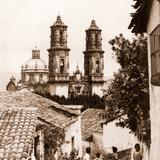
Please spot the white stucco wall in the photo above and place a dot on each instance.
(154, 20)
(118, 137)
(85, 144)
(52, 89)
(73, 130)
(97, 143)
(97, 89)
(60, 89)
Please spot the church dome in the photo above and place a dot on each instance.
(35, 63)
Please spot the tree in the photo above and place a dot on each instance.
(92, 101)
(129, 92)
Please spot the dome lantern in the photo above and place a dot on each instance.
(35, 63)
(35, 53)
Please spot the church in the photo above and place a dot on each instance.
(55, 78)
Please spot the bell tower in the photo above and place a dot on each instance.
(94, 59)
(58, 59)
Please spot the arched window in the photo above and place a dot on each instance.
(31, 78)
(61, 65)
(40, 77)
(97, 67)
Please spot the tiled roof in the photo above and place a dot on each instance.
(92, 120)
(17, 127)
(48, 109)
(139, 19)
(75, 108)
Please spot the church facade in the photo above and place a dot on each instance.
(55, 77)
(60, 82)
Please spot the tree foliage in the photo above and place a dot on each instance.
(53, 136)
(92, 101)
(129, 91)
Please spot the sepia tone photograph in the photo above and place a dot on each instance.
(79, 80)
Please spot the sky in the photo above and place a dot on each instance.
(25, 24)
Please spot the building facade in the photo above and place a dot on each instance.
(34, 75)
(147, 19)
(78, 84)
(93, 59)
(60, 82)
(153, 30)
(58, 59)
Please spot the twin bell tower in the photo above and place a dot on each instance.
(60, 82)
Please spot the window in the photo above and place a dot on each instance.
(155, 56)
(97, 66)
(31, 78)
(73, 143)
(98, 40)
(61, 38)
(61, 65)
(78, 90)
(37, 147)
(40, 77)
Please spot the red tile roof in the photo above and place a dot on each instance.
(92, 120)
(140, 18)
(47, 109)
(17, 128)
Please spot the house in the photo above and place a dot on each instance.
(147, 19)
(100, 132)
(56, 125)
(92, 131)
